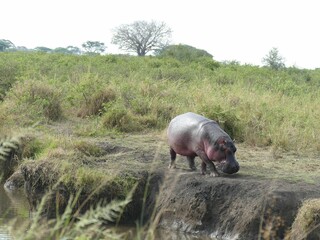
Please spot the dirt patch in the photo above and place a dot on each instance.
(110, 148)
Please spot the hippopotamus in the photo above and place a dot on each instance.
(192, 135)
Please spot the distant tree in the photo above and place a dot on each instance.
(61, 50)
(183, 52)
(6, 45)
(142, 37)
(188, 53)
(231, 62)
(273, 59)
(43, 49)
(94, 47)
(67, 50)
(74, 50)
(22, 49)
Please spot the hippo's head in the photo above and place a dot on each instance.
(227, 149)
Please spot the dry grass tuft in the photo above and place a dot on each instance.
(307, 222)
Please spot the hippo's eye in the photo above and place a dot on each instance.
(222, 148)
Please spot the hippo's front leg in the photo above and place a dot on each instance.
(173, 155)
(207, 162)
(191, 163)
(203, 168)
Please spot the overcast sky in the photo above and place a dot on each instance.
(242, 30)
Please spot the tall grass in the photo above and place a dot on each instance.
(307, 222)
(257, 106)
(71, 225)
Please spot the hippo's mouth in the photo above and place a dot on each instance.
(230, 165)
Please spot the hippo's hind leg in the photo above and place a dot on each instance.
(191, 163)
(173, 155)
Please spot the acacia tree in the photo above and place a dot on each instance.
(94, 47)
(142, 36)
(273, 59)
(6, 45)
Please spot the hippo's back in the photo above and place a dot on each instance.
(185, 127)
(188, 120)
(190, 129)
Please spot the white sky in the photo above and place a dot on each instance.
(242, 30)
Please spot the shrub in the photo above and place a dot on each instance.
(32, 147)
(34, 101)
(119, 118)
(95, 103)
(8, 75)
(227, 120)
(125, 119)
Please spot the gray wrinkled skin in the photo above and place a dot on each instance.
(192, 135)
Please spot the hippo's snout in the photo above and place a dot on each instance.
(231, 166)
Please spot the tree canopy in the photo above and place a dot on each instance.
(6, 45)
(43, 49)
(74, 50)
(142, 37)
(273, 59)
(67, 50)
(94, 47)
(183, 52)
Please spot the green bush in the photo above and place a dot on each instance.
(35, 100)
(226, 119)
(9, 72)
(94, 104)
(119, 118)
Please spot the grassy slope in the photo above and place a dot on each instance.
(87, 120)
(66, 104)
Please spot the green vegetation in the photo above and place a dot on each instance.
(94, 47)
(91, 225)
(257, 106)
(68, 108)
(183, 52)
(10, 154)
(274, 60)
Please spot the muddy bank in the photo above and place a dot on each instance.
(231, 207)
(240, 206)
(236, 207)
